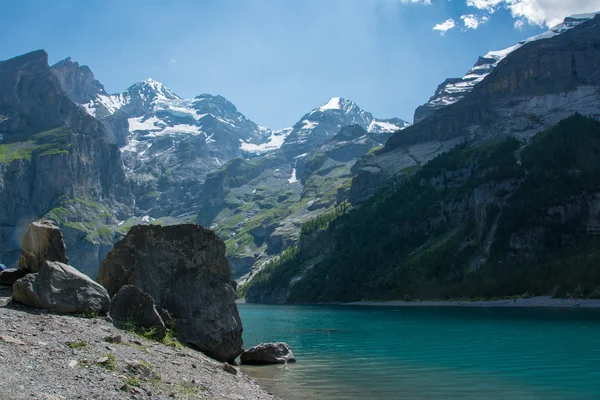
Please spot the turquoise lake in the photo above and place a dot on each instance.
(354, 352)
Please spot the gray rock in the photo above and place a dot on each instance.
(131, 303)
(42, 242)
(184, 269)
(230, 368)
(268, 353)
(9, 277)
(61, 288)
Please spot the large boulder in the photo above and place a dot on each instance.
(268, 353)
(43, 241)
(61, 288)
(184, 269)
(132, 304)
(9, 276)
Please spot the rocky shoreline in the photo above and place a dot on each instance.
(47, 356)
(65, 336)
(538, 301)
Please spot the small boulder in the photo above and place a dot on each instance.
(268, 353)
(230, 368)
(131, 303)
(43, 241)
(141, 369)
(10, 276)
(61, 288)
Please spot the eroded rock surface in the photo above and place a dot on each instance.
(184, 269)
(61, 288)
(42, 242)
(131, 303)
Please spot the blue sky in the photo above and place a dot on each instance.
(275, 60)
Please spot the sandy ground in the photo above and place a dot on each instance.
(541, 301)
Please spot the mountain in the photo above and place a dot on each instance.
(498, 219)
(55, 160)
(494, 195)
(531, 89)
(323, 122)
(258, 204)
(98, 163)
(454, 89)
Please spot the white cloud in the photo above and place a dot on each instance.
(445, 26)
(519, 24)
(488, 5)
(472, 21)
(173, 61)
(538, 12)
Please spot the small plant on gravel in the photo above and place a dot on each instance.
(171, 340)
(132, 381)
(82, 344)
(188, 389)
(111, 364)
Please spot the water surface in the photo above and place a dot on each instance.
(354, 352)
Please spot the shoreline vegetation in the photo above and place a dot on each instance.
(538, 301)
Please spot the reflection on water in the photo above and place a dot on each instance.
(428, 353)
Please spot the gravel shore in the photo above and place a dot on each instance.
(540, 301)
(45, 356)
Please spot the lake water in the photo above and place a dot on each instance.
(353, 352)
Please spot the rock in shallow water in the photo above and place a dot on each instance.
(184, 269)
(268, 353)
(61, 288)
(43, 241)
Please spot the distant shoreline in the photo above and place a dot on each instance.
(540, 301)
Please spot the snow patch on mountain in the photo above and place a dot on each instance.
(379, 126)
(333, 104)
(275, 141)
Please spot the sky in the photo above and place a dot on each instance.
(278, 59)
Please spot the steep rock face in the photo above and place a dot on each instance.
(184, 269)
(531, 89)
(78, 81)
(454, 89)
(51, 152)
(42, 242)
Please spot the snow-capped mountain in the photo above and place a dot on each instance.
(326, 121)
(454, 89)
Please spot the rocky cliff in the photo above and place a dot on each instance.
(531, 89)
(52, 154)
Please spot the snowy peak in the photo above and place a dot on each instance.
(454, 89)
(338, 105)
(324, 122)
(151, 90)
